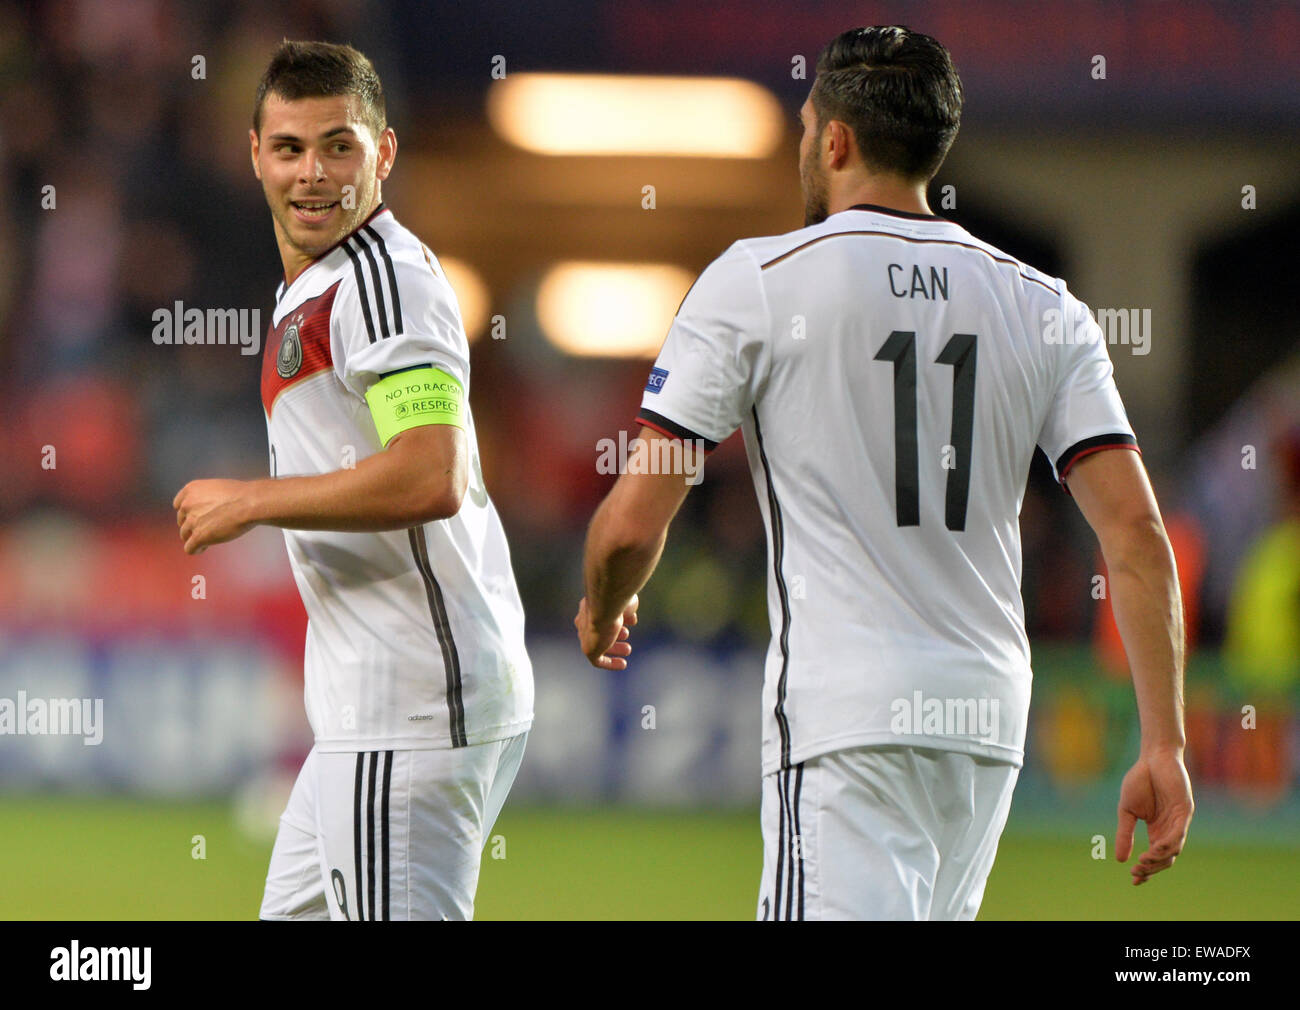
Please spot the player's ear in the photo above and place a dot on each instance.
(839, 141)
(387, 154)
(252, 140)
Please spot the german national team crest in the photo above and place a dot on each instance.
(289, 360)
(297, 347)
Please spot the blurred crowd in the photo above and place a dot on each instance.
(123, 156)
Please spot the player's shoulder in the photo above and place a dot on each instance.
(384, 232)
(748, 257)
(762, 250)
(1036, 283)
(384, 247)
(383, 267)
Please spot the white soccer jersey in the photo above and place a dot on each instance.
(892, 375)
(415, 638)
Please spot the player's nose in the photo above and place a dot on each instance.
(311, 169)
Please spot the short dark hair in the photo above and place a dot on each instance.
(322, 70)
(899, 93)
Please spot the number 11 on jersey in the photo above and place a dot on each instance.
(959, 352)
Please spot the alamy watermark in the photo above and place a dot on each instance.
(922, 716)
(1123, 327)
(24, 716)
(179, 325)
(675, 455)
(75, 963)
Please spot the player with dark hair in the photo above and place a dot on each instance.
(418, 686)
(898, 94)
(892, 375)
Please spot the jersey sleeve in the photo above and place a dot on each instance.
(1085, 413)
(710, 367)
(393, 314)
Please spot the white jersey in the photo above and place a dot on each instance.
(415, 638)
(892, 375)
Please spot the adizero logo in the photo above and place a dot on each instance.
(76, 963)
(922, 716)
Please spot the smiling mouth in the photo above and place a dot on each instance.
(313, 209)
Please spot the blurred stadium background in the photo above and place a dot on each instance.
(1169, 185)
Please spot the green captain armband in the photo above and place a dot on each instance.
(414, 397)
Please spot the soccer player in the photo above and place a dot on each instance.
(892, 375)
(418, 686)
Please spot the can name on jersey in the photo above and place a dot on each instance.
(935, 288)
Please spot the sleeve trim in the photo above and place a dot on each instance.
(1087, 446)
(408, 368)
(672, 429)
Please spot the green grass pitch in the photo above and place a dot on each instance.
(126, 859)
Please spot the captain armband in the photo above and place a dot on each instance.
(414, 397)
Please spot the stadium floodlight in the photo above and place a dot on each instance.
(612, 310)
(608, 114)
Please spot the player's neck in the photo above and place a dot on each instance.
(294, 260)
(880, 191)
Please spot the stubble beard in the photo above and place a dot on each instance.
(816, 199)
(318, 243)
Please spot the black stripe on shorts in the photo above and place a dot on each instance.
(388, 776)
(356, 835)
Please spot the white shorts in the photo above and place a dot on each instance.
(388, 834)
(882, 833)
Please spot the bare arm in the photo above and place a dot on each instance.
(624, 542)
(1112, 491)
(421, 476)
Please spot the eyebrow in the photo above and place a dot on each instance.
(324, 136)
